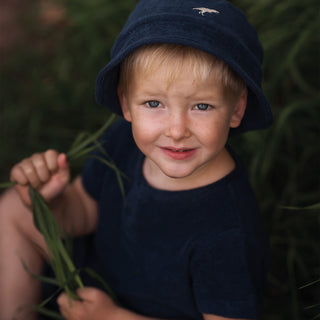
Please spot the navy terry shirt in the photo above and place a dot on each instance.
(176, 254)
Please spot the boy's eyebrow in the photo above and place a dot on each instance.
(209, 97)
(149, 92)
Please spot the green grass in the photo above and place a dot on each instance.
(283, 162)
(47, 98)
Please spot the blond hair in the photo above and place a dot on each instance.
(148, 58)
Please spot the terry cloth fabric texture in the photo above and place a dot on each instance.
(213, 26)
(175, 255)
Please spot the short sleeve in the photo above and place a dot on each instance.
(94, 170)
(93, 174)
(222, 279)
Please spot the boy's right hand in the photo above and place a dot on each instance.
(47, 172)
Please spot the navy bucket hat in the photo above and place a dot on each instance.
(213, 26)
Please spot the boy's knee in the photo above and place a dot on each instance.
(11, 207)
(14, 216)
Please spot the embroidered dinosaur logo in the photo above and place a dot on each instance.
(202, 11)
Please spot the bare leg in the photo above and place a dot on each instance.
(18, 240)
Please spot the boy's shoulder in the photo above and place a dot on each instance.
(118, 138)
(116, 146)
(120, 128)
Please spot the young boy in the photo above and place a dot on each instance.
(188, 241)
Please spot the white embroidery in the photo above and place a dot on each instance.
(202, 11)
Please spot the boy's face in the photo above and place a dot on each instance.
(181, 126)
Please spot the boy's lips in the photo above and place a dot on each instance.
(179, 153)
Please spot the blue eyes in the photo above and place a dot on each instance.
(200, 106)
(153, 104)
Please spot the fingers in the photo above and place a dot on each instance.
(25, 173)
(46, 172)
(51, 160)
(63, 301)
(62, 161)
(94, 304)
(37, 169)
(63, 166)
(70, 309)
(64, 304)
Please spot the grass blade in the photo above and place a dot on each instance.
(91, 139)
(45, 222)
(6, 185)
(310, 284)
(119, 174)
(40, 278)
(94, 275)
(48, 313)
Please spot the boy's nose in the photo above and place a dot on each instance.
(177, 126)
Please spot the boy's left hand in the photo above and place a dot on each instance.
(95, 305)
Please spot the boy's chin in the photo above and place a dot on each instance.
(176, 179)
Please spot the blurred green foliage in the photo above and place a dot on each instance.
(47, 97)
(283, 162)
(47, 83)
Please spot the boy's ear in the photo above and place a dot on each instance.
(124, 104)
(239, 109)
